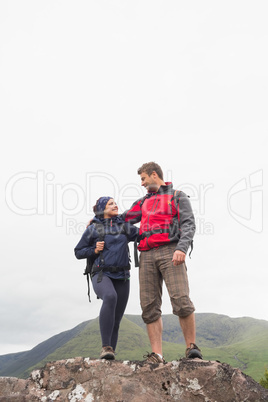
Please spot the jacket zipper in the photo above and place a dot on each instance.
(154, 207)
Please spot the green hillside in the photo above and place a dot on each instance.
(240, 342)
(16, 364)
(132, 343)
(212, 330)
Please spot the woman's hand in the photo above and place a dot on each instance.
(99, 247)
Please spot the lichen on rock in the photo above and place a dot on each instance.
(85, 379)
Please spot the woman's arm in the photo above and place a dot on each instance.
(86, 246)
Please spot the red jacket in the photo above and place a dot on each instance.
(165, 217)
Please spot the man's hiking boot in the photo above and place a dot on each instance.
(153, 358)
(193, 352)
(107, 352)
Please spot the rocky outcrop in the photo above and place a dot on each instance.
(82, 379)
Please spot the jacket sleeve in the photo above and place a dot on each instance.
(133, 215)
(186, 223)
(86, 246)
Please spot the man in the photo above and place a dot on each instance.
(166, 231)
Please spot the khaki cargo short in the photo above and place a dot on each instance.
(156, 265)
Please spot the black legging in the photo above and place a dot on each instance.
(114, 294)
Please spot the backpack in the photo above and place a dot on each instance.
(90, 261)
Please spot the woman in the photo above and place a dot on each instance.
(110, 270)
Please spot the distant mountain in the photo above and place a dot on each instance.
(16, 364)
(240, 342)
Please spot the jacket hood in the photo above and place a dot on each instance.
(115, 219)
(162, 189)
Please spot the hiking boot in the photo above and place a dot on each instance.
(153, 358)
(193, 352)
(107, 353)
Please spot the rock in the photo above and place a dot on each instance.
(83, 379)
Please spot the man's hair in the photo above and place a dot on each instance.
(151, 167)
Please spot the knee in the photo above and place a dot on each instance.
(110, 299)
(151, 313)
(183, 306)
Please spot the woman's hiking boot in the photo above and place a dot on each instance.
(107, 352)
(193, 352)
(153, 358)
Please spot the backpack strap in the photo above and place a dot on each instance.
(175, 197)
(136, 257)
(101, 234)
(88, 286)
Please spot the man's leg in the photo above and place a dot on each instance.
(176, 280)
(155, 330)
(188, 329)
(178, 288)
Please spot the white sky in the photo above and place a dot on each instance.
(90, 90)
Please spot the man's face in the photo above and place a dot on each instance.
(149, 182)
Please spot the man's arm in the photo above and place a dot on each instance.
(133, 215)
(187, 228)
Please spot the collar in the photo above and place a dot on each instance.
(162, 189)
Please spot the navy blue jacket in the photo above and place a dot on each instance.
(115, 252)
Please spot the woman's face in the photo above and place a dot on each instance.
(111, 209)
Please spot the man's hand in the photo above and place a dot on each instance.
(99, 246)
(178, 257)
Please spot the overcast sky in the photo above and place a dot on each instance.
(89, 91)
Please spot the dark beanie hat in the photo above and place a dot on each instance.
(101, 204)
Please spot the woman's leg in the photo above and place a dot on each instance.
(105, 290)
(122, 290)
